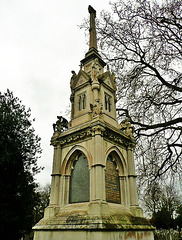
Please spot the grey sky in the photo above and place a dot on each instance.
(40, 45)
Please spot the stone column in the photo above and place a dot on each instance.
(97, 171)
(123, 190)
(92, 183)
(56, 177)
(65, 191)
(95, 89)
(132, 177)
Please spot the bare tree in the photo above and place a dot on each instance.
(142, 41)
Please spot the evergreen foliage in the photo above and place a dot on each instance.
(19, 151)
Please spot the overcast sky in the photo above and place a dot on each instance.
(40, 44)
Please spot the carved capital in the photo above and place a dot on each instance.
(98, 130)
(54, 139)
(96, 85)
(131, 146)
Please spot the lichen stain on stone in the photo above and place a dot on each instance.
(140, 236)
(109, 225)
(130, 235)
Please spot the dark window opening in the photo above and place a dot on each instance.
(82, 102)
(107, 99)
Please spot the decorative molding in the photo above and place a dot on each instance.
(56, 174)
(75, 137)
(80, 79)
(113, 137)
(96, 129)
(98, 164)
(132, 175)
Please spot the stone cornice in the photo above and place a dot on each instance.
(90, 130)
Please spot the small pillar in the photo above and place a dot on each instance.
(132, 177)
(56, 177)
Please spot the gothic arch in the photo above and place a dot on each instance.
(119, 159)
(68, 161)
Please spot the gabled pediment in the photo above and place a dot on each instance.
(108, 79)
(81, 79)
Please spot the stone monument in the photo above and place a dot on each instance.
(93, 189)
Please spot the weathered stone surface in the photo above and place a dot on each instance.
(93, 189)
(112, 182)
(97, 235)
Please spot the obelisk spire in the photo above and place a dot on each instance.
(92, 53)
(92, 30)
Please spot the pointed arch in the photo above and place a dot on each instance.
(119, 159)
(112, 183)
(116, 177)
(68, 161)
(79, 190)
(76, 174)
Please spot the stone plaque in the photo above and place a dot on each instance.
(80, 181)
(112, 182)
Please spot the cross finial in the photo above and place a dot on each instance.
(92, 30)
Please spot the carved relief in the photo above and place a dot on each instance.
(96, 108)
(87, 133)
(61, 124)
(75, 137)
(116, 138)
(95, 70)
(73, 78)
(126, 127)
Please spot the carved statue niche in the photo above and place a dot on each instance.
(96, 108)
(72, 79)
(61, 124)
(95, 70)
(125, 126)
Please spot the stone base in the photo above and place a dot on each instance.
(91, 235)
(94, 220)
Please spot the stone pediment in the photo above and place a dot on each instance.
(81, 79)
(108, 79)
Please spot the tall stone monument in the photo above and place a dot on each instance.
(93, 189)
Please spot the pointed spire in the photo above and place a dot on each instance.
(92, 53)
(92, 30)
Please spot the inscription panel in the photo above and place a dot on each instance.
(112, 182)
(79, 181)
